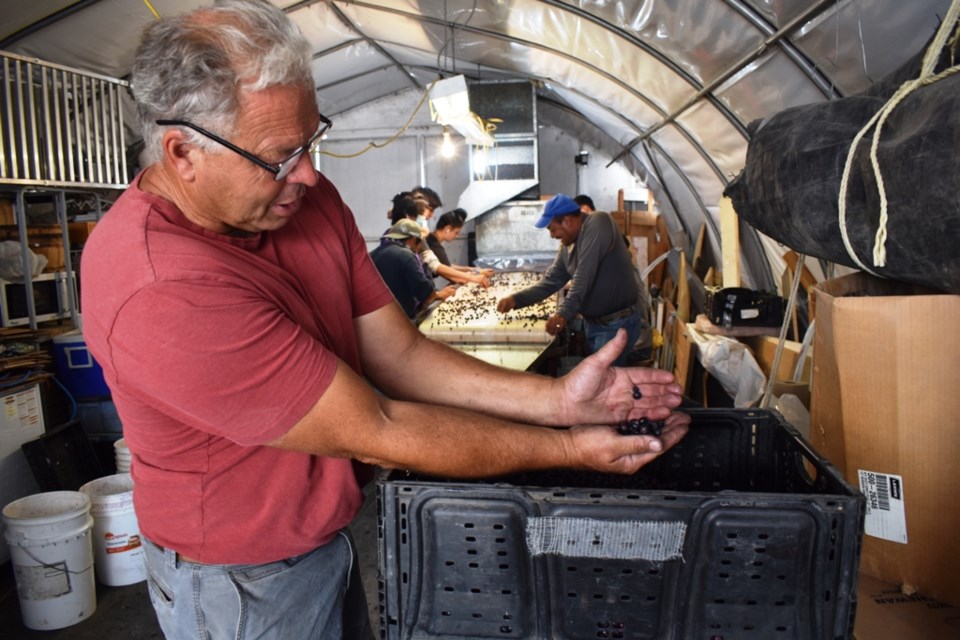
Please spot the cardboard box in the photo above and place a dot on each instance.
(884, 612)
(884, 409)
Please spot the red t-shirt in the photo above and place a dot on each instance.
(213, 345)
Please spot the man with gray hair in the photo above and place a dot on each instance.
(254, 353)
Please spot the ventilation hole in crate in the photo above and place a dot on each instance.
(598, 596)
(445, 613)
(403, 508)
(502, 554)
(669, 497)
(728, 549)
(506, 592)
(781, 577)
(475, 590)
(403, 538)
(781, 628)
(759, 549)
(506, 629)
(471, 552)
(468, 525)
(498, 527)
(653, 572)
(403, 577)
(748, 627)
(559, 494)
(832, 554)
(723, 575)
(507, 616)
(603, 624)
(758, 563)
(572, 569)
(598, 569)
(719, 601)
(572, 594)
(632, 496)
(471, 538)
(833, 524)
(751, 602)
(726, 562)
(476, 614)
(779, 603)
(755, 576)
(763, 536)
(603, 634)
(499, 540)
(731, 535)
(627, 571)
(473, 565)
(625, 597)
(503, 566)
(827, 596)
(651, 598)
(450, 563)
(448, 589)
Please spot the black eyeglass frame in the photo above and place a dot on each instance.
(279, 170)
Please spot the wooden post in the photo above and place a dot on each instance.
(730, 243)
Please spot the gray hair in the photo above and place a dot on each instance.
(194, 66)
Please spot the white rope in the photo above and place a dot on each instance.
(925, 78)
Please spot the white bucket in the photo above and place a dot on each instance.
(122, 456)
(116, 535)
(52, 556)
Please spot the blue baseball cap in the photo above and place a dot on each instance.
(558, 205)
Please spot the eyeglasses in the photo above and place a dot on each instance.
(279, 170)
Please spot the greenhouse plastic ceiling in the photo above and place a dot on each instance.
(665, 86)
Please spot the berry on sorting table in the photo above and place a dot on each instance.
(640, 427)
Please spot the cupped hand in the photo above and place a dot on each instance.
(601, 448)
(506, 304)
(597, 393)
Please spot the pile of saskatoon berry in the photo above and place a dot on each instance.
(640, 427)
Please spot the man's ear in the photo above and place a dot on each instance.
(179, 154)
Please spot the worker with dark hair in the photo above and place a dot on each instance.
(432, 197)
(448, 228)
(585, 202)
(406, 205)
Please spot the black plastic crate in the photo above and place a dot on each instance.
(740, 532)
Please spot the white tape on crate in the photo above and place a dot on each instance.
(589, 538)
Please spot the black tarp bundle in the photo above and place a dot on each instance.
(790, 186)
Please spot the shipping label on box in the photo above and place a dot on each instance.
(885, 517)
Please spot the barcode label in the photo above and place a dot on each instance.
(885, 517)
(883, 492)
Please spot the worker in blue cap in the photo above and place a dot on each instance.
(604, 288)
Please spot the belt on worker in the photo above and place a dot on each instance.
(177, 555)
(612, 317)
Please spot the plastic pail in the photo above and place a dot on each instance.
(116, 536)
(122, 456)
(52, 557)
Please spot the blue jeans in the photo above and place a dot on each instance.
(600, 333)
(296, 598)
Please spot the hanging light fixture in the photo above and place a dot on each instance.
(450, 106)
(447, 148)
